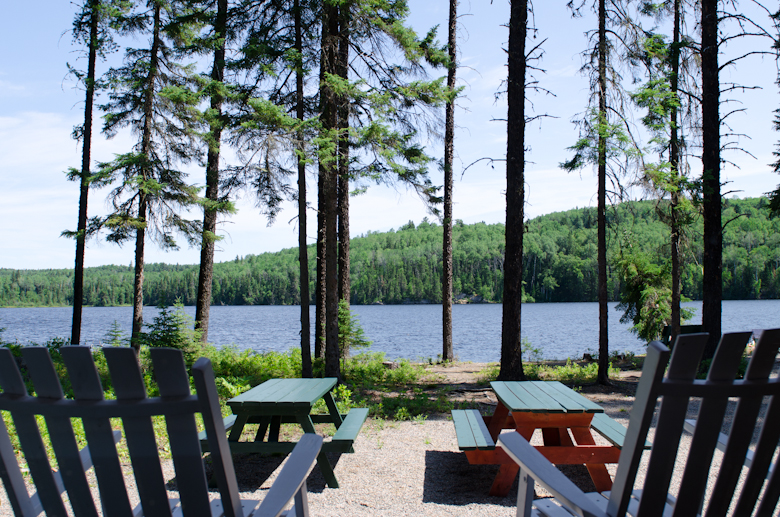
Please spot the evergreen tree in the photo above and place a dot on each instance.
(447, 353)
(603, 140)
(92, 27)
(668, 67)
(151, 190)
(511, 344)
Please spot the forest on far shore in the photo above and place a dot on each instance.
(404, 265)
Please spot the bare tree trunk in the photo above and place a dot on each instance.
(674, 159)
(319, 309)
(511, 344)
(206, 273)
(342, 66)
(713, 235)
(146, 149)
(447, 353)
(601, 219)
(303, 254)
(81, 236)
(329, 175)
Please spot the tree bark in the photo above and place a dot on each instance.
(319, 309)
(329, 176)
(447, 353)
(206, 273)
(303, 253)
(674, 160)
(342, 67)
(713, 235)
(81, 235)
(146, 149)
(601, 219)
(511, 344)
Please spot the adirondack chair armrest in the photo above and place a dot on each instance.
(291, 481)
(538, 469)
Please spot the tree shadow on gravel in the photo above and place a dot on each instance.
(450, 479)
(253, 470)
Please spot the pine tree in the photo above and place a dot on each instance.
(449, 151)
(91, 27)
(151, 190)
(511, 344)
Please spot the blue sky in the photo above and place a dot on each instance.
(39, 107)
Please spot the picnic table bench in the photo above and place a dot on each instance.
(290, 401)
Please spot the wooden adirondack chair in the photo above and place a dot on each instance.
(675, 391)
(70, 487)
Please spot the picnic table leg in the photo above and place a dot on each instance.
(498, 420)
(262, 428)
(273, 433)
(238, 428)
(322, 459)
(333, 409)
(508, 471)
(598, 471)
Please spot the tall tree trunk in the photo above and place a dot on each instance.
(601, 222)
(303, 254)
(146, 149)
(447, 353)
(206, 273)
(319, 294)
(329, 176)
(81, 235)
(342, 67)
(511, 345)
(674, 160)
(713, 235)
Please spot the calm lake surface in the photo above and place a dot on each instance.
(560, 330)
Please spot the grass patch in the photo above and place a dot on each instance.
(570, 373)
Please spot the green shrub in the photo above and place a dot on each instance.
(174, 329)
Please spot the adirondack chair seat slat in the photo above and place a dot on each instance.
(134, 410)
(653, 499)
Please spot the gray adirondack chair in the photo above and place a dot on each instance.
(70, 487)
(675, 390)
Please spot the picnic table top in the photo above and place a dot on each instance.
(289, 393)
(542, 397)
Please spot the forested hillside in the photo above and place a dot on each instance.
(404, 266)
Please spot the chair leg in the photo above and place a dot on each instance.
(302, 502)
(525, 494)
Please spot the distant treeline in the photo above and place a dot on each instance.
(404, 266)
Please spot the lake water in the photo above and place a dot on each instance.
(560, 330)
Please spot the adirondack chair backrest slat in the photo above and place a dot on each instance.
(641, 417)
(675, 392)
(221, 457)
(30, 437)
(741, 434)
(176, 404)
(12, 477)
(671, 418)
(762, 460)
(128, 383)
(183, 433)
(86, 385)
(61, 434)
(710, 417)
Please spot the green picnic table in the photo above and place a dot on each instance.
(280, 401)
